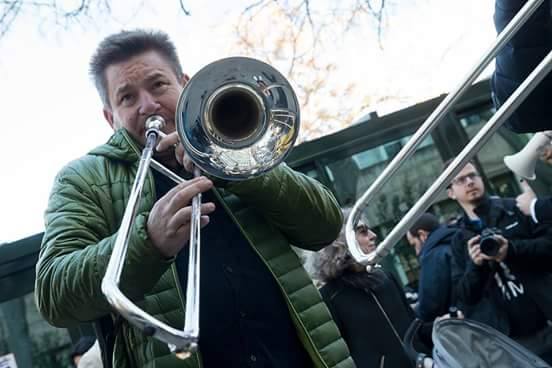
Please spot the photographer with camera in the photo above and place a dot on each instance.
(501, 265)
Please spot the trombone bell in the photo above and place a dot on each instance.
(237, 118)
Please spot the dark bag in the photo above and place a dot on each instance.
(462, 343)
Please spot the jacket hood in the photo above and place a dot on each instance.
(442, 236)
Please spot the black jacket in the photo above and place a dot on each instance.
(434, 285)
(364, 326)
(529, 258)
(543, 210)
(515, 61)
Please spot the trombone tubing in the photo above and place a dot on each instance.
(430, 123)
(178, 341)
(191, 312)
(504, 112)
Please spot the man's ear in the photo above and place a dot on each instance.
(422, 235)
(185, 79)
(108, 115)
(450, 194)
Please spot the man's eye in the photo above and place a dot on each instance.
(125, 98)
(159, 84)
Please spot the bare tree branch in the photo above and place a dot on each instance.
(306, 3)
(9, 13)
(184, 10)
(253, 6)
(81, 9)
(378, 15)
(53, 11)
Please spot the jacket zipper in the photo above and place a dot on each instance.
(395, 332)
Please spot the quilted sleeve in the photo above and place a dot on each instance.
(303, 209)
(75, 250)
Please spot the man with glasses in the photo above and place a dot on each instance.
(501, 264)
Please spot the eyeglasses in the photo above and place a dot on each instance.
(462, 180)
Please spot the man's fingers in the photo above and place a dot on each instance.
(485, 257)
(188, 163)
(180, 153)
(204, 221)
(184, 196)
(183, 217)
(473, 241)
(187, 183)
(169, 140)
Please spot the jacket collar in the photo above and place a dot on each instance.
(120, 146)
(490, 211)
(442, 236)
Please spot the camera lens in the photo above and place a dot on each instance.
(489, 245)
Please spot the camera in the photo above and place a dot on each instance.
(488, 244)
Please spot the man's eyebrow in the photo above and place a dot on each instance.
(122, 88)
(155, 75)
(466, 175)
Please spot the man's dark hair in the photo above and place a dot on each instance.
(427, 222)
(124, 45)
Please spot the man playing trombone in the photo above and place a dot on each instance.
(259, 308)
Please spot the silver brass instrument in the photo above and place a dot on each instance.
(465, 155)
(237, 118)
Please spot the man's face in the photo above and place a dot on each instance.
(415, 242)
(467, 187)
(140, 87)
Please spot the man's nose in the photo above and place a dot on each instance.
(469, 180)
(148, 104)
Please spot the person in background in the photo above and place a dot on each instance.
(501, 265)
(369, 308)
(431, 242)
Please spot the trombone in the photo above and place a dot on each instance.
(237, 118)
(535, 77)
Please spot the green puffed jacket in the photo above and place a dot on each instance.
(85, 208)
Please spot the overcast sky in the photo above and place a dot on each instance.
(51, 113)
